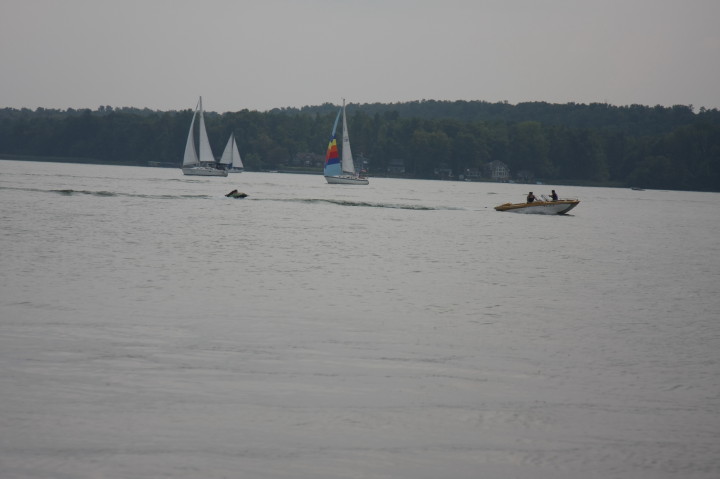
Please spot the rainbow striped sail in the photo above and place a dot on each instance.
(332, 158)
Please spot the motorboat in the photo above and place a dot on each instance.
(541, 207)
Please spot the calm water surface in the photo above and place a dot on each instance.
(151, 327)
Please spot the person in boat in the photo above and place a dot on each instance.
(236, 194)
(554, 195)
(530, 197)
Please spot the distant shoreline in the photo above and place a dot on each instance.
(297, 171)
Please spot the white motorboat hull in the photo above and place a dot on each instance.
(203, 171)
(346, 180)
(559, 207)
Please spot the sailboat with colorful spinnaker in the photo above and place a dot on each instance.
(343, 172)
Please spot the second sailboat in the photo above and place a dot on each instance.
(341, 172)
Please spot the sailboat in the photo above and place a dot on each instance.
(203, 164)
(337, 172)
(231, 156)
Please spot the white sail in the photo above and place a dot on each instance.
(236, 160)
(231, 155)
(190, 157)
(227, 156)
(206, 154)
(348, 167)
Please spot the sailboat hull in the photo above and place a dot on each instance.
(346, 180)
(203, 171)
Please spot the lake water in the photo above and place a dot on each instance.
(151, 327)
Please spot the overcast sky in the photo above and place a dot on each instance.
(263, 54)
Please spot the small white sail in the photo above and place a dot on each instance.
(206, 154)
(236, 160)
(227, 156)
(190, 157)
(231, 155)
(348, 167)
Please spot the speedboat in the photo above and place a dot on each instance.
(558, 207)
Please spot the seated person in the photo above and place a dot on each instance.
(530, 197)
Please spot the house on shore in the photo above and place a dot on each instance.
(497, 171)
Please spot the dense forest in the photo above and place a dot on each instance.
(595, 144)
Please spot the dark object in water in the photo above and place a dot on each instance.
(236, 194)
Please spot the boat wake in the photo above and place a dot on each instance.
(115, 194)
(367, 204)
(106, 194)
(125, 195)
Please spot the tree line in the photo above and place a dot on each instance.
(600, 144)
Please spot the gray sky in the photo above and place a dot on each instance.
(262, 54)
